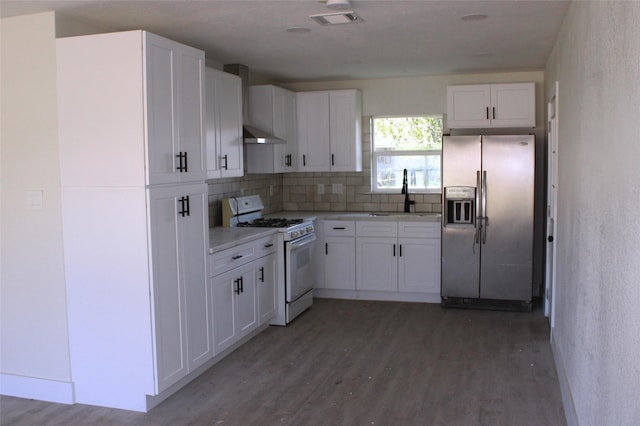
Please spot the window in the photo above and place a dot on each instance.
(412, 143)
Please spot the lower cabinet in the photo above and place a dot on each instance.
(243, 297)
(383, 260)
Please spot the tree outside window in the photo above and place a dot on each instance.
(412, 143)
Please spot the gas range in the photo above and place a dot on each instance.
(247, 212)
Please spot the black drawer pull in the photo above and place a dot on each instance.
(268, 245)
(339, 227)
(239, 256)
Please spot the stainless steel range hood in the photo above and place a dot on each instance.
(250, 134)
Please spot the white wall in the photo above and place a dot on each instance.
(596, 338)
(33, 308)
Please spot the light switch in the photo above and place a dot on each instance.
(34, 200)
(336, 188)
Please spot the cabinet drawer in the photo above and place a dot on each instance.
(366, 228)
(339, 228)
(228, 259)
(419, 229)
(266, 245)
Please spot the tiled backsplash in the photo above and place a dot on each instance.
(299, 191)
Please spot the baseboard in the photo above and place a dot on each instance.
(388, 296)
(565, 388)
(35, 388)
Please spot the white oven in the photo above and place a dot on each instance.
(298, 274)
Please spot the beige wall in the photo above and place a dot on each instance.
(596, 337)
(33, 312)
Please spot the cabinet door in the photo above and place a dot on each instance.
(168, 293)
(468, 106)
(245, 300)
(190, 115)
(194, 248)
(223, 288)
(419, 265)
(266, 282)
(161, 103)
(313, 131)
(377, 263)
(229, 103)
(345, 109)
(513, 105)
(339, 263)
(284, 126)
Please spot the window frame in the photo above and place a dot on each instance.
(427, 152)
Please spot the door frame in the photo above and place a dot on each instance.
(552, 206)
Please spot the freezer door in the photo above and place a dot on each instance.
(460, 274)
(507, 235)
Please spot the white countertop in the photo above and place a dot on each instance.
(221, 238)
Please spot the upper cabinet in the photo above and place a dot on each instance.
(491, 105)
(330, 131)
(146, 115)
(224, 124)
(273, 110)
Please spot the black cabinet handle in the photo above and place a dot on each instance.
(487, 113)
(186, 163)
(400, 250)
(241, 284)
(226, 162)
(180, 157)
(339, 227)
(494, 113)
(262, 274)
(304, 160)
(394, 250)
(184, 206)
(236, 257)
(332, 162)
(268, 245)
(326, 248)
(237, 283)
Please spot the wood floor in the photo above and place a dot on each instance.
(359, 363)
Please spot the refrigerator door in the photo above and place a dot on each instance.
(507, 234)
(461, 157)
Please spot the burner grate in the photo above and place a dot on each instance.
(270, 223)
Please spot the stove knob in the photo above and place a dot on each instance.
(309, 228)
(302, 232)
(294, 234)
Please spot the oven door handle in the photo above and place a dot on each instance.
(301, 242)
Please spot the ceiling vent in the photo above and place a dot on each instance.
(336, 18)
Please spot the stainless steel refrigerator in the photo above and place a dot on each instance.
(487, 221)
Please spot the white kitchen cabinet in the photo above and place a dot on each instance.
(273, 110)
(242, 281)
(398, 256)
(180, 295)
(130, 109)
(491, 105)
(141, 110)
(336, 255)
(266, 284)
(329, 131)
(224, 124)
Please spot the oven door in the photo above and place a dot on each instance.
(298, 266)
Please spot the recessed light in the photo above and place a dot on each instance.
(298, 30)
(474, 17)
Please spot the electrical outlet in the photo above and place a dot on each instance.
(34, 200)
(320, 188)
(336, 188)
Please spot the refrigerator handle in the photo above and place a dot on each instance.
(478, 222)
(484, 207)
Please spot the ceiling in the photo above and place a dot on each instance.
(398, 38)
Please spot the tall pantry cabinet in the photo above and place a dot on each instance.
(135, 222)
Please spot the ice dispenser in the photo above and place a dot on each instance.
(459, 205)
